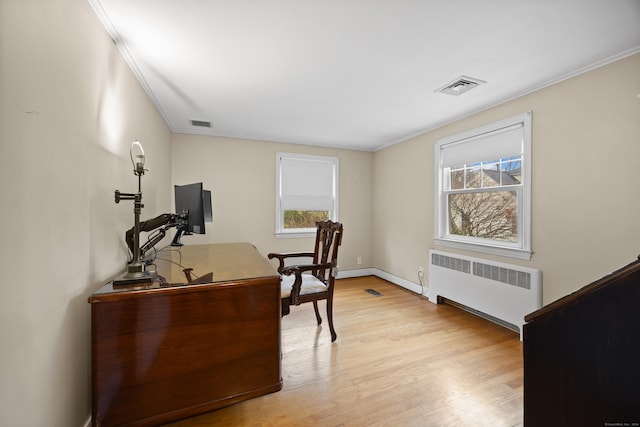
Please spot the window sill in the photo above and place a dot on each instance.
(516, 253)
(295, 235)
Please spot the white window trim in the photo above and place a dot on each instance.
(521, 250)
(282, 233)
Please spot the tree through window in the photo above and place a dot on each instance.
(483, 199)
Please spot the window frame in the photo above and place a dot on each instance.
(522, 248)
(281, 231)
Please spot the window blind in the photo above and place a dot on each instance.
(501, 143)
(306, 184)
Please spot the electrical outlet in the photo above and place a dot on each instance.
(359, 260)
(421, 270)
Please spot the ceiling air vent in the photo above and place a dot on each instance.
(200, 123)
(460, 85)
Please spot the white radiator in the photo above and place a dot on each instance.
(501, 292)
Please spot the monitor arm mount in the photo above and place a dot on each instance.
(162, 222)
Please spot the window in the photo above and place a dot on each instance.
(483, 189)
(306, 192)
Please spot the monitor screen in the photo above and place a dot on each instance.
(193, 204)
(190, 202)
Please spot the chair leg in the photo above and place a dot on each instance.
(330, 318)
(315, 307)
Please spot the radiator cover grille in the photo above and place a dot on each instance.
(451, 263)
(509, 276)
(499, 291)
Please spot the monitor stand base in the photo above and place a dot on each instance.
(135, 274)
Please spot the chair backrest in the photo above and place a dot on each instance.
(328, 240)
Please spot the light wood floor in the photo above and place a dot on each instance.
(399, 360)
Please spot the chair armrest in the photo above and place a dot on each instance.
(282, 257)
(297, 270)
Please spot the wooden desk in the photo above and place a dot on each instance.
(162, 352)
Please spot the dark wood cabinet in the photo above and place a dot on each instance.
(582, 356)
(161, 351)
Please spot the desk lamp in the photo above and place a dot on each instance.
(135, 269)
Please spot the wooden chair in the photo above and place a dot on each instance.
(312, 282)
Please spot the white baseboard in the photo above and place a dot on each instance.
(356, 273)
(413, 287)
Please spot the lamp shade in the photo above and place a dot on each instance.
(137, 157)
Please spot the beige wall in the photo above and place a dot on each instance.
(586, 189)
(69, 109)
(70, 106)
(241, 177)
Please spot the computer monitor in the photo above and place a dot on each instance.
(193, 204)
(208, 212)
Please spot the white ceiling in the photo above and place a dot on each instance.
(358, 74)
